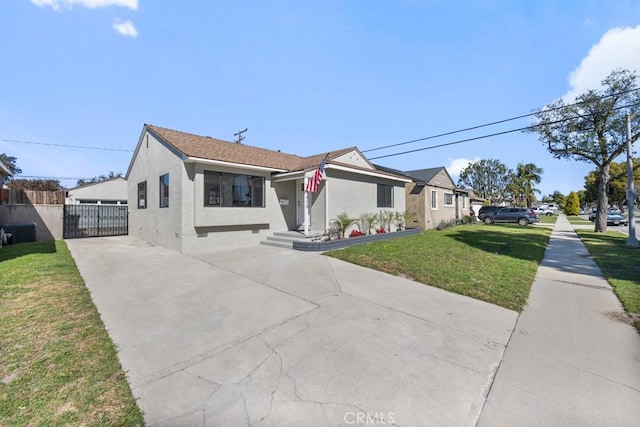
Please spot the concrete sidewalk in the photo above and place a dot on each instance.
(571, 360)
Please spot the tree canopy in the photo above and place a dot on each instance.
(10, 163)
(617, 189)
(593, 129)
(489, 179)
(35, 184)
(99, 178)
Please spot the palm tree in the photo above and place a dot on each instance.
(367, 221)
(526, 176)
(342, 222)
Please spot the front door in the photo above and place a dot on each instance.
(300, 204)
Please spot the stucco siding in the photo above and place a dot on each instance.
(161, 226)
(209, 228)
(112, 190)
(358, 194)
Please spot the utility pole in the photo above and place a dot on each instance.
(239, 135)
(631, 194)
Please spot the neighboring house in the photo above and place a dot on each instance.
(195, 193)
(110, 192)
(434, 197)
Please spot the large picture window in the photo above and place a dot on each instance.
(228, 189)
(142, 195)
(164, 191)
(385, 196)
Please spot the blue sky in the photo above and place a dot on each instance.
(304, 77)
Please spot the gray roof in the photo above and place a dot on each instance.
(424, 175)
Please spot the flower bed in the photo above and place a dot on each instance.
(329, 245)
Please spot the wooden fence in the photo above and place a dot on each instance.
(31, 197)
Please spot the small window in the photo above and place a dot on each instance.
(142, 195)
(448, 199)
(385, 196)
(434, 199)
(164, 191)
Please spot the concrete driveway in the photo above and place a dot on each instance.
(273, 337)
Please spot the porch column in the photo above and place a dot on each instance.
(306, 202)
(326, 204)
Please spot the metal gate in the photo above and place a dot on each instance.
(95, 220)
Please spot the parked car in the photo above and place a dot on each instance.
(487, 209)
(522, 216)
(544, 211)
(616, 219)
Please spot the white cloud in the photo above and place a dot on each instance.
(126, 28)
(458, 165)
(90, 4)
(618, 48)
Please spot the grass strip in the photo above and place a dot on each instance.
(619, 265)
(58, 366)
(492, 263)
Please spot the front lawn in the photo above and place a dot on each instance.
(58, 366)
(493, 263)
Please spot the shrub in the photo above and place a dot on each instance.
(355, 233)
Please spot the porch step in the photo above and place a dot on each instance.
(285, 239)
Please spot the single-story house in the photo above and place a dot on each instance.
(194, 193)
(433, 196)
(113, 191)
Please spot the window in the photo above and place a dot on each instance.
(228, 189)
(164, 191)
(448, 199)
(142, 195)
(434, 199)
(385, 196)
(464, 202)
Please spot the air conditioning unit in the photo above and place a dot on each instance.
(21, 233)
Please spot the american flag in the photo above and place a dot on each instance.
(312, 184)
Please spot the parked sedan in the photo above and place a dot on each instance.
(522, 216)
(613, 218)
(616, 219)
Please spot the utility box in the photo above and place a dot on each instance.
(21, 233)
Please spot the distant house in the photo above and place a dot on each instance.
(110, 192)
(434, 197)
(194, 193)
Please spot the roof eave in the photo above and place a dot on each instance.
(191, 159)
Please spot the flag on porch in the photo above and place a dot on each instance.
(312, 184)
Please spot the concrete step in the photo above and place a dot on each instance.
(285, 239)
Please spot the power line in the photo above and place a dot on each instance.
(486, 136)
(66, 145)
(488, 124)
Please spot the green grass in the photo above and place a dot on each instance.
(578, 220)
(493, 263)
(548, 219)
(58, 365)
(620, 265)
